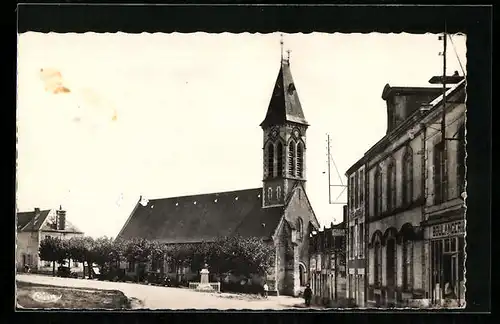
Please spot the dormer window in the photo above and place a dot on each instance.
(291, 88)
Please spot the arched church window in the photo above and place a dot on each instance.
(280, 159)
(278, 192)
(300, 228)
(291, 158)
(407, 184)
(300, 160)
(270, 160)
(269, 193)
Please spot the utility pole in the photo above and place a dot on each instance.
(330, 185)
(443, 120)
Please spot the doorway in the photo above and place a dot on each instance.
(302, 275)
(391, 269)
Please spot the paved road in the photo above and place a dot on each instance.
(154, 297)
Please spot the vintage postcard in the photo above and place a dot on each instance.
(241, 171)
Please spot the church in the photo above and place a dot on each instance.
(279, 212)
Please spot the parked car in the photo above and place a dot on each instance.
(65, 272)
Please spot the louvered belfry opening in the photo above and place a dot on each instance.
(279, 154)
(270, 160)
(300, 160)
(291, 158)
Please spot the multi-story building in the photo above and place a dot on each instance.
(32, 228)
(356, 235)
(328, 264)
(408, 192)
(444, 211)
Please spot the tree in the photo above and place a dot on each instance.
(137, 250)
(51, 250)
(81, 249)
(240, 255)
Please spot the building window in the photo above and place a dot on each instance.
(356, 187)
(75, 264)
(270, 160)
(300, 160)
(377, 271)
(391, 185)
(351, 192)
(280, 159)
(47, 237)
(361, 240)
(407, 184)
(461, 161)
(269, 193)
(440, 173)
(278, 192)
(377, 193)
(291, 158)
(351, 241)
(407, 264)
(361, 187)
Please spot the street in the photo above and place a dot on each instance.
(154, 297)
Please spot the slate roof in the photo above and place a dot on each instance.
(203, 217)
(284, 105)
(31, 221)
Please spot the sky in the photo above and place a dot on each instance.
(105, 118)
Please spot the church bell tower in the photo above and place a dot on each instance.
(284, 129)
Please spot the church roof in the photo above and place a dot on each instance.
(284, 105)
(204, 217)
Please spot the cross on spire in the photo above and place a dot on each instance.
(281, 44)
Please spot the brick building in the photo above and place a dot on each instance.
(279, 211)
(392, 191)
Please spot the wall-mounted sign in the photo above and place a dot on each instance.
(448, 229)
(338, 232)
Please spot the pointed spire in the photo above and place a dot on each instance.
(285, 104)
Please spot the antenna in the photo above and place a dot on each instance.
(341, 185)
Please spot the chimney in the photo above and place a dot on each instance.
(37, 210)
(61, 219)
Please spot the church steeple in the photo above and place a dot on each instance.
(284, 130)
(285, 104)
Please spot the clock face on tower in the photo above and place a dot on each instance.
(296, 132)
(274, 133)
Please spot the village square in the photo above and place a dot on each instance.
(394, 238)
